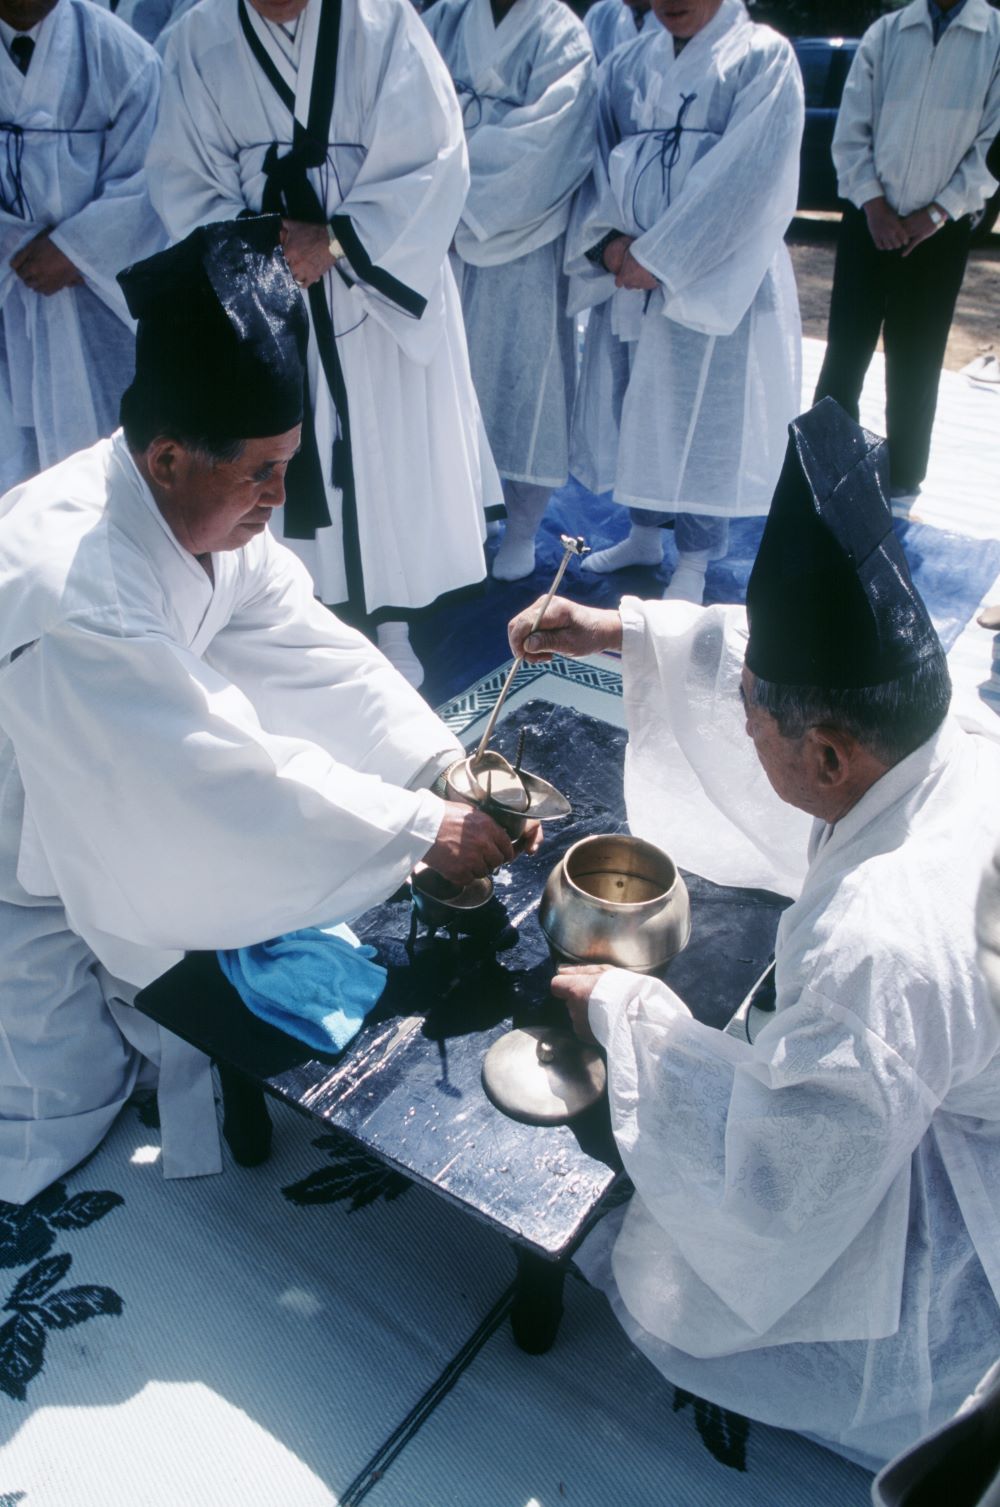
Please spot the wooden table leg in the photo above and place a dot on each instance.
(537, 1310)
(246, 1124)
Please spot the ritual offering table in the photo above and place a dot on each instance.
(409, 1088)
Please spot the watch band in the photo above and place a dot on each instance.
(938, 216)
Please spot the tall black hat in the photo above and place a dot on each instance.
(222, 332)
(830, 601)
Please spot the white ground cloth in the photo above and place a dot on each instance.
(86, 106)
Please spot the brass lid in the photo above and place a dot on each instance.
(543, 1076)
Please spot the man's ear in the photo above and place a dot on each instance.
(164, 456)
(832, 754)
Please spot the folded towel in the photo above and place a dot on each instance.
(317, 984)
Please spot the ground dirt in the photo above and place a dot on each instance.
(975, 330)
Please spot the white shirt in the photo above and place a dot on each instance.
(916, 119)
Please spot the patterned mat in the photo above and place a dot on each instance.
(316, 1332)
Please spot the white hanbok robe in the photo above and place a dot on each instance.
(815, 1236)
(184, 764)
(686, 392)
(609, 23)
(396, 170)
(73, 136)
(528, 95)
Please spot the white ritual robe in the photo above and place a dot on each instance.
(698, 159)
(609, 23)
(183, 765)
(396, 168)
(815, 1236)
(528, 96)
(78, 122)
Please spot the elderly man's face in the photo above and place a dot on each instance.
(785, 761)
(683, 18)
(281, 12)
(213, 506)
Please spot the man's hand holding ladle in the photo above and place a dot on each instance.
(567, 628)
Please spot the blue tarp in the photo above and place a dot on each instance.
(459, 643)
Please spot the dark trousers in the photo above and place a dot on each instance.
(910, 300)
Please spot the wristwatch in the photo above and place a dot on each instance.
(336, 249)
(938, 216)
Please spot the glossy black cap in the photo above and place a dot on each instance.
(830, 601)
(222, 333)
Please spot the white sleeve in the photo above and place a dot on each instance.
(119, 225)
(712, 247)
(311, 676)
(528, 163)
(693, 782)
(193, 159)
(763, 1164)
(171, 818)
(399, 215)
(854, 133)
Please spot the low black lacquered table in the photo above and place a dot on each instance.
(408, 1088)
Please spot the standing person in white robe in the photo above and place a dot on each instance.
(342, 118)
(815, 1235)
(691, 367)
(194, 753)
(524, 74)
(78, 92)
(609, 23)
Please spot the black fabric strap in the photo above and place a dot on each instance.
(383, 282)
(287, 191)
(263, 61)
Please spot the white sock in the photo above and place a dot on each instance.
(643, 546)
(687, 584)
(526, 504)
(394, 641)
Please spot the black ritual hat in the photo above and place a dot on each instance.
(830, 601)
(222, 332)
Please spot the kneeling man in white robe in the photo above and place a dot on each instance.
(194, 753)
(814, 1239)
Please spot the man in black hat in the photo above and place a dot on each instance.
(814, 1236)
(194, 754)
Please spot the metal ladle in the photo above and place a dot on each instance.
(571, 547)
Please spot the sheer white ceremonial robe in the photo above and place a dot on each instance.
(396, 168)
(86, 108)
(697, 158)
(528, 94)
(815, 1236)
(609, 23)
(183, 765)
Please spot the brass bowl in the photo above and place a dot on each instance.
(438, 902)
(619, 900)
(512, 797)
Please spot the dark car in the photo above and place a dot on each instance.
(825, 62)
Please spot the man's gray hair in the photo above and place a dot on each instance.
(143, 423)
(889, 720)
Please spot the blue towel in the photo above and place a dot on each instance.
(317, 984)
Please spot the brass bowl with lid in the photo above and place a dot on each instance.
(616, 899)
